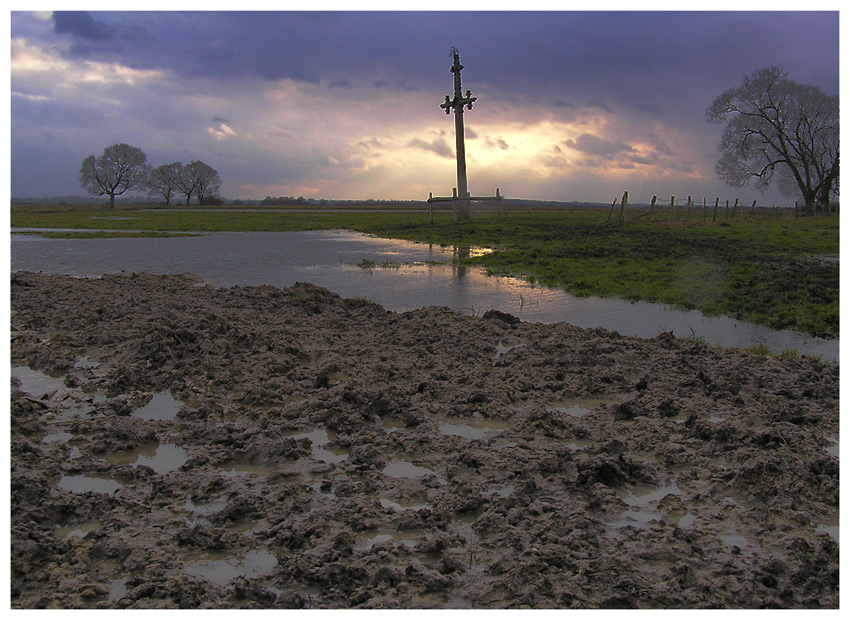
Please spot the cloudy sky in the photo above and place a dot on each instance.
(328, 104)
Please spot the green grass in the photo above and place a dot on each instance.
(765, 269)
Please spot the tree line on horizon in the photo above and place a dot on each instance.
(122, 168)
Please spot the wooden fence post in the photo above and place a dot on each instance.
(727, 210)
(703, 208)
(689, 208)
(716, 202)
(498, 205)
(430, 207)
(622, 218)
(652, 204)
(735, 208)
(753, 209)
(672, 205)
(613, 204)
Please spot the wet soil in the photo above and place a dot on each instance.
(336, 455)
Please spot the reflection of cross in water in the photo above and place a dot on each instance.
(457, 104)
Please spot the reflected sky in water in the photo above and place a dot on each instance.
(405, 276)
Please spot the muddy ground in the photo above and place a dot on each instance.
(327, 453)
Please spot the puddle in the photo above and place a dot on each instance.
(57, 437)
(84, 362)
(234, 469)
(76, 531)
(578, 407)
(457, 602)
(391, 425)
(500, 491)
(85, 484)
(832, 530)
(579, 444)
(463, 430)
(735, 540)
(162, 458)
(408, 538)
(223, 571)
(386, 503)
(641, 499)
(646, 498)
(204, 510)
(163, 406)
(687, 521)
(502, 348)
(404, 469)
(318, 439)
(117, 589)
(36, 383)
(832, 449)
(71, 413)
(323, 487)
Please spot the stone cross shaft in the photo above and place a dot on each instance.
(457, 104)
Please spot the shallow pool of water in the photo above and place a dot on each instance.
(162, 458)
(318, 440)
(83, 484)
(471, 428)
(223, 571)
(423, 276)
(405, 469)
(163, 406)
(76, 531)
(399, 507)
(642, 501)
(36, 383)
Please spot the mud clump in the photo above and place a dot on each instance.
(584, 469)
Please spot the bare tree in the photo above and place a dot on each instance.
(776, 128)
(199, 179)
(121, 168)
(209, 183)
(187, 181)
(165, 180)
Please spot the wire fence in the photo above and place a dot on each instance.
(690, 209)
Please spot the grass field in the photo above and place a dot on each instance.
(770, 269)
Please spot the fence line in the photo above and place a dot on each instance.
(688, 208)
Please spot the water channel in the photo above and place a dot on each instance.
(398, 275)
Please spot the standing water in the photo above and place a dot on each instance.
(398, 275)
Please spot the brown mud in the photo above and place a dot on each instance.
(261, 448)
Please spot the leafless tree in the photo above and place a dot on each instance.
(779, 130)
(209, 183)
(165, 180)
(121, 168)
(199, 179)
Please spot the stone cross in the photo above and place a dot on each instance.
(457, 103)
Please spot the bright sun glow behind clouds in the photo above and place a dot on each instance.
(346, 105)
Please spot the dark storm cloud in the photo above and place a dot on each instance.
(594, 145)
(341, 83)
(80, 24)
(439, 146)
(593, 55)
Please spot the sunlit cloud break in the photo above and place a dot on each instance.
(346, 105)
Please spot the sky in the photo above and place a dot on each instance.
(345, 105)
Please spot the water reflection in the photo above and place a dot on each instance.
(422, 275)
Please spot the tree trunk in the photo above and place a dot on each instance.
(111, 200)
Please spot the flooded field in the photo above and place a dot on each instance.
(253, 447)
(398, 275)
